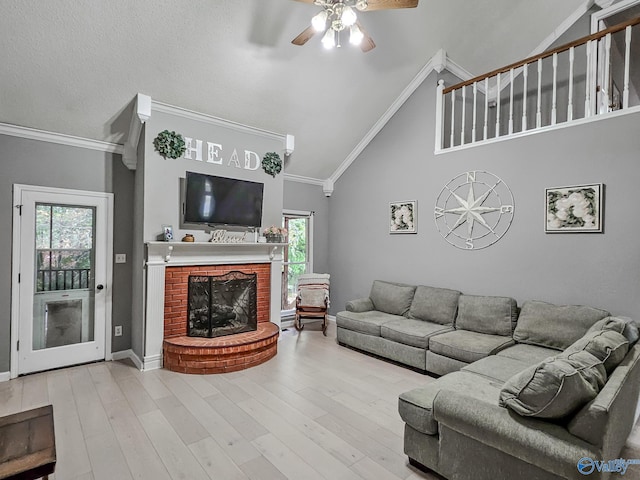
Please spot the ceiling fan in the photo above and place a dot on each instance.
(337, 16)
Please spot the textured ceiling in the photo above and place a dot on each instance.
(74, 66)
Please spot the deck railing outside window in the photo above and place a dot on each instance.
(596, 74)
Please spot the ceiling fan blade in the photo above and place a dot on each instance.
(304, 37)
(367, 44)
(389, 4)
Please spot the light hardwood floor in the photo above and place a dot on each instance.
(315, 411)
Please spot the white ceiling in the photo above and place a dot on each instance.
(74, 66)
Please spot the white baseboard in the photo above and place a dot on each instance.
(152, 362)
(331, 318)
(5, 376)
(130, 354)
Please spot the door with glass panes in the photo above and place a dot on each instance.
(297, 256)
(63, 288)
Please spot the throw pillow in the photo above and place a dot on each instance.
(556, 387)
(607, 345)
(554, 326)
(394, 298)
(624, 325)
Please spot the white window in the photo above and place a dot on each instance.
(298, 256)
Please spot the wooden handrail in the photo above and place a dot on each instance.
(549, 53)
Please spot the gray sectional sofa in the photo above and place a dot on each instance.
(544, 392)
(431, 329)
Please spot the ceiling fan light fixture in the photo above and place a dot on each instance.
(355, 35)
(362, 5)
(348, 16)
(319, 21)
(329, 39)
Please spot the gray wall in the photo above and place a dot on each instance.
(45, 164)
(301, 196)
(162, 202)
(601, 270)
(157, 196)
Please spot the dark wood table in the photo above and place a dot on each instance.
(27, 445)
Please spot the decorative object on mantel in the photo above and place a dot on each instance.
(271, 163)
(474, 210)
(574, 209)
(275, 234)
(167, 233)
(222, 236)
(169, 144)
(337, 16)
(188, 238)
(403, 217)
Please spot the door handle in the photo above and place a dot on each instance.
(99, 287)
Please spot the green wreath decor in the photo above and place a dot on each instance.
(271, 163)
(169, 144)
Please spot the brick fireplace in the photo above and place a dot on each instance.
(221, 354)
(175, 292)
(169, 266)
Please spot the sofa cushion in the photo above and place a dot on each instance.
(416, 406)
(554, 326)
(467, 346)
(364, 322)
(607, 345)
(437, 305)
(441, 365)
(531, 354)
(394, 298)
(412, 332)
(592, 421)
(624, 325)
(492, 315)
(497, 368)
(556, 387)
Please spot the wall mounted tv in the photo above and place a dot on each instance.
(215, 200)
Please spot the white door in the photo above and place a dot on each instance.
(61, 277)
(608, 70)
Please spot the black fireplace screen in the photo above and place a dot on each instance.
(222, 304)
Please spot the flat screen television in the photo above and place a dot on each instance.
(216, 200)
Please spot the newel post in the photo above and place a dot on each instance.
(440, 116)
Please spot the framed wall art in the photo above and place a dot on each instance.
(403, 217)
(167, 233)
(574, 209)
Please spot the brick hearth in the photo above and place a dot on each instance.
(222, 354)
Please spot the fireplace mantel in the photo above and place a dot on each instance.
(160, 255)
(200, 253)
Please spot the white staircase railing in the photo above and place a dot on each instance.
(590, 76)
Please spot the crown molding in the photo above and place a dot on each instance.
(560, 30)
(301, 179)
(59, 138)
(211, 120)
(566, 24)
(439, 62)
(424, 72)
(144, 106)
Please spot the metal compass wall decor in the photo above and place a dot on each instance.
(474, 210)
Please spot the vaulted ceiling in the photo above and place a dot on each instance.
(74, 66)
